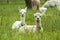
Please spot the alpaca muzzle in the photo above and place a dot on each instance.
(22, 15)
(37, 19)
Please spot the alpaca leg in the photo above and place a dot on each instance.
(33, 6)
(37, 7)
(26, 2)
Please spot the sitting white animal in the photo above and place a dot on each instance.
(52, 3)
(49, 3)
(18, 24)
(33, 28)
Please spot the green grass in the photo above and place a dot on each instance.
(9, 14)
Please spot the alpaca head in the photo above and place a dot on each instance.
(23, 11)
(37, 16)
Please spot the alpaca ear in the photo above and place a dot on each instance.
(19, 8)
(26, 8)
(34, 14)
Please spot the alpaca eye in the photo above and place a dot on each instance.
(40, 16)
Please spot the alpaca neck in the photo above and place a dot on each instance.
(38, 25)
(23, 19)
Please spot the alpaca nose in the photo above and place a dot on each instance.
(37, 18)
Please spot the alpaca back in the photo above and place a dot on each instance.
(28, 28)
(16, 24)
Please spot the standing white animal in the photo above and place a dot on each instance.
(33, 28)
(18, 24)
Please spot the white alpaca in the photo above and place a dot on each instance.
(18, 24)
(23, 11)
(49, 3)
(33, 28)
(52, 3)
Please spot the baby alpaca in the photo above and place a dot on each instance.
(23, 11)
(18, 24)
(33, 28)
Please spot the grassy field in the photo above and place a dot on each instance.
(9, 14)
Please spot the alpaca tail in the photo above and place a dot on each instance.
(25, 8)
